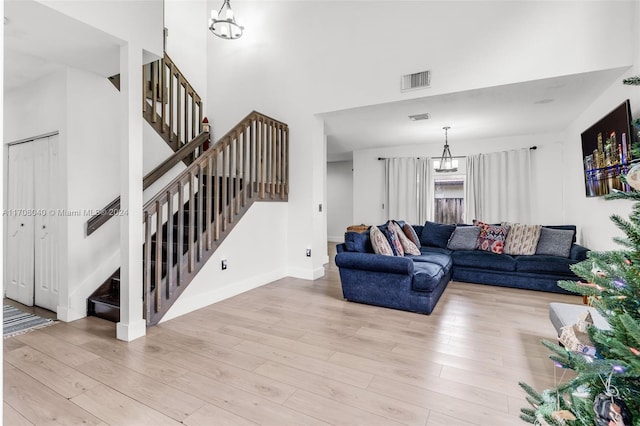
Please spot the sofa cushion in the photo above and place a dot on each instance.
(425, 250)
(441, 259)
(426, 276)
(522, 239)
(491, 237)
(410, 233)
(542, 264)
(379, 242)
(436, 234)
(555, 242)
(358, 242)
(394, 240)
(407, 244)
(464, 238)
(483, 260)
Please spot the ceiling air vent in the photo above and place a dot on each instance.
(417, 117)
(415, 81)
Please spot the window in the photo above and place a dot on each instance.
(448, 205)
(448, 194)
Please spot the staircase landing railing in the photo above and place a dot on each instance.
(170, 104)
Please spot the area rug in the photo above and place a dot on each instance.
(15, 322)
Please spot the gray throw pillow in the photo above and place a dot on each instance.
(555, 242)
(464, 238)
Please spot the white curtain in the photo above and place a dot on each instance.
(408, 189)
(425, 191)
(497, 187)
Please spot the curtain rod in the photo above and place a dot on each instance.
(460, 156)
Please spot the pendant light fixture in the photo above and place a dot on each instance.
(446, 161)
(223, 23)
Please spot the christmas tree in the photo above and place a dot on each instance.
(606, 388)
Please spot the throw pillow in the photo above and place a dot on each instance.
(491, 237)
(464, 238)
(379, 242)
(555, 242)
(522, 239)
(394, 239)
(407, 244)
(411, 234)
(436, 234)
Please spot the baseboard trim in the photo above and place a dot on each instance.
(186, 304)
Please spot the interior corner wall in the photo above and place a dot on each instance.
(546, 163)
(592, 214)
(339, 199)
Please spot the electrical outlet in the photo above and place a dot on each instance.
(224, 264)
(308, 252)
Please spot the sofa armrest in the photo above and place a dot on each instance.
(578, 252)
(375, 263)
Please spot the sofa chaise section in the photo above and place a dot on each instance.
(392, 282)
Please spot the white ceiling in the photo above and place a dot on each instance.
(35, 46)
(534, 107)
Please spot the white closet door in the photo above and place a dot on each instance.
(45, 194)
(20, 225)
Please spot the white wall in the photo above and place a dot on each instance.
(592, 215)
(339, 199)
(291, 66)
(135, 21)
(253, 252)
(93, 166)
(186, 21)
(546, 161)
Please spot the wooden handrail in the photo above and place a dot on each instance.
(192, 149)
(188, 219)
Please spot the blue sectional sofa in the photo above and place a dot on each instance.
(416, 282)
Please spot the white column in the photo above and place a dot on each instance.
(132, 324)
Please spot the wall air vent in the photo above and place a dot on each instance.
(417, 80)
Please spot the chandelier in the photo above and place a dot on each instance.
(446, 161)
(223, 23)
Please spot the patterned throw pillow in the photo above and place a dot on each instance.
(491, 237)
(379, 242)
(394, 239)
(407, 245)
(411, 234)
(521, 239)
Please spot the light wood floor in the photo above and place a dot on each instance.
(292, 353)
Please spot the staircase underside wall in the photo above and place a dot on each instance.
(256, 255)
